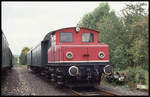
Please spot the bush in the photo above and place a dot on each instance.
(137, 75)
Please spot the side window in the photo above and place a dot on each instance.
(66, 37)
(87, 37)
(53, 40)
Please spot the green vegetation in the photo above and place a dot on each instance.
(136, 75)
(15, 60)
(22, 57)
(126, 35)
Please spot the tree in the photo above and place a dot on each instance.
(22, 56)
(139, 45)
(90, 20)
(15, 59)
(131, 15)
(133, 12)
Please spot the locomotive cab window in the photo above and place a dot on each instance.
(87, 37)
(66, 37)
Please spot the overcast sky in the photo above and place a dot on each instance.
(26, 23)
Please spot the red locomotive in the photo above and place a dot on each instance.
(71, 55)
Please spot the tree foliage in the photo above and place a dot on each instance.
(22, 56)
(139, 45)
(15, 59)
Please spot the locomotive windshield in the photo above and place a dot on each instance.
(87, 37)
(66, 37)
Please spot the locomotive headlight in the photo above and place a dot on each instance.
(69, 55)
(77, 28)
(101, 55)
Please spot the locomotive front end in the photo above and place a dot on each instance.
(86, 62)
(77, 57)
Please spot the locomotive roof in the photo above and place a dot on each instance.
(48, 35)
(53, 32)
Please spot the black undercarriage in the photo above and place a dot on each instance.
(88, 73)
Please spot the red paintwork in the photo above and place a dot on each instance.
(58, 52)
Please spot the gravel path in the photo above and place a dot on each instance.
(20, 81)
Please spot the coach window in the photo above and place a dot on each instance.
(87, 37)
(66, 37)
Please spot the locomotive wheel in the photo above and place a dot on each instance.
(52, 77)
(49, 76)
(59, 84)
(9, 68)
(31, 68)
(98, 82)
(59, 81)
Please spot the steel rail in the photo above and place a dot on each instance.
(97, 92)
(76, 93)
(105, 92)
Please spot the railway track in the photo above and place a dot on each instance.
(109, 93)
(91, 91)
